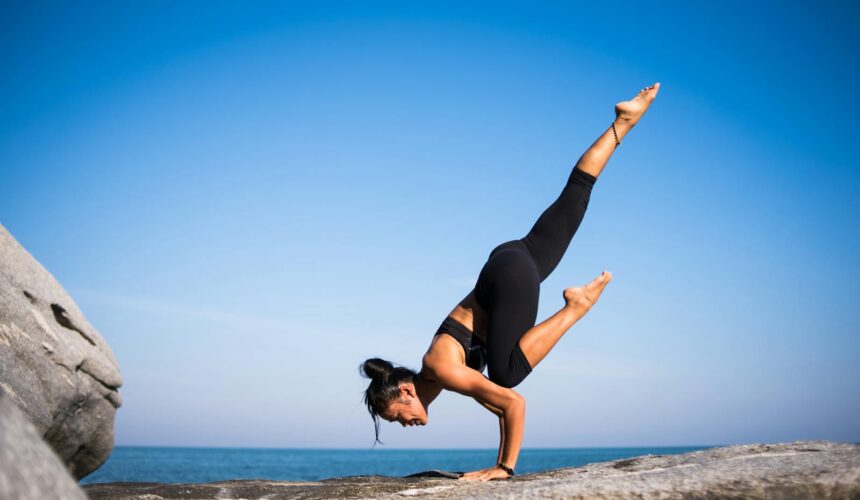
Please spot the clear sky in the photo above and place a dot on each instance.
(248, 200)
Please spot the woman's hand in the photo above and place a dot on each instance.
(484, 474)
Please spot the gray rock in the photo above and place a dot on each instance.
(53, 364)
(802, 469)
(29, 468)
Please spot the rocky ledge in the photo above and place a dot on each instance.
(802, 469)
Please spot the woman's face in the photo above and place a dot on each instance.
(409, 410)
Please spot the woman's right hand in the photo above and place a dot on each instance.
(487, 474)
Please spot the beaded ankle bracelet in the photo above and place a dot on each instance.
(617, 142)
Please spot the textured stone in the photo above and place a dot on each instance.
(29, 468)
(53, 364)
(803, 469)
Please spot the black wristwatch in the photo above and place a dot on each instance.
(505, 468)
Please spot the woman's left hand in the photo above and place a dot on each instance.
(484, 474)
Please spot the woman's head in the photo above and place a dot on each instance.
(391, 394)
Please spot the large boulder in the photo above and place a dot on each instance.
(29, 468)
(53, 364)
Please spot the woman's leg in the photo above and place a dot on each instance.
(550, 237)
(536, 343)
(508, 289)
(509, 285)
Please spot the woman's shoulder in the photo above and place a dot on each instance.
(444, 349)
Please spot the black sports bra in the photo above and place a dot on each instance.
(476, 351)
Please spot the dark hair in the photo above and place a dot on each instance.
(384, 388)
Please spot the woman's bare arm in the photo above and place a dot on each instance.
(499, 413)
(502, 440)
(466, 381)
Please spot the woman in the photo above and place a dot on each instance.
(494, 326)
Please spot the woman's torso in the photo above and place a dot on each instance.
(464, 329)
(469, 314)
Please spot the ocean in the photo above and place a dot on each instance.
(203, 465)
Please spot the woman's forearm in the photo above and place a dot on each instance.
(501, 414)
(501, 437)
(513, 425)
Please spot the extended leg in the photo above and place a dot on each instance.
(536, 343)
(549, 238)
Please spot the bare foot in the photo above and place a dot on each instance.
(631, 111)
(583, 297)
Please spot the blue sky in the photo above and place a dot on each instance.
(249, 200)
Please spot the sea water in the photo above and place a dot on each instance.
(203, 465)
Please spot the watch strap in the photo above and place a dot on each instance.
(505, 468)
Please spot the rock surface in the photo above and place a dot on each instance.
(53, 364)
(29, 468)
(802, 469)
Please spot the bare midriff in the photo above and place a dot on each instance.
(470, 315)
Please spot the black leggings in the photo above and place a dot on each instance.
(509, 284)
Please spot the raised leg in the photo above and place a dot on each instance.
(558, 223)
(509, 284)
(551, 235)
